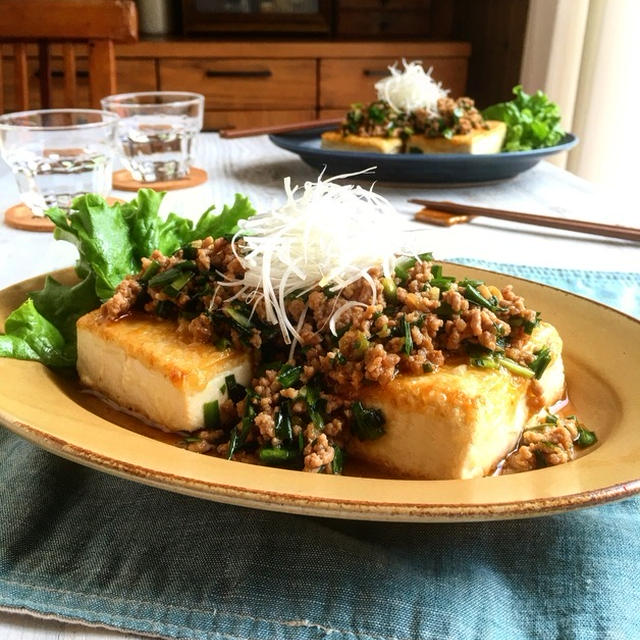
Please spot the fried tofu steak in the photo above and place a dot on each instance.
(461, 420)
(352, 142)
(477, 141)
(141, 363)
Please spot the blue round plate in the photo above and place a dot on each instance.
(416, 167)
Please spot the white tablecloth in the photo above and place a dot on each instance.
(255, 167)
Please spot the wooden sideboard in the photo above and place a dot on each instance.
(253, 83)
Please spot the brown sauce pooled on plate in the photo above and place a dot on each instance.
(353, 467)
(556, 438)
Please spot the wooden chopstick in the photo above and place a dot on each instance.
(583, 226)
(278, 128)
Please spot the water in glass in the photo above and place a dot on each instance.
(157, 147)
(54, 177)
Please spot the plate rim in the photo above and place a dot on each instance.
(314, 505)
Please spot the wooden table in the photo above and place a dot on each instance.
(255, 167)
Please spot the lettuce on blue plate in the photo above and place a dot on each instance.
(533, 121)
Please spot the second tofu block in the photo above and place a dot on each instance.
(460, 421)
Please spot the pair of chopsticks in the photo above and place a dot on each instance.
(447, 213)
(278, 128)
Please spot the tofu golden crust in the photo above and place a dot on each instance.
(142, 364)
(476, 142)
(460, 421)
(335, 140)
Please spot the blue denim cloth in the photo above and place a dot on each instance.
(79, 544)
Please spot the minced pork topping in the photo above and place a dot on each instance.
(379, 119)
(302, 404)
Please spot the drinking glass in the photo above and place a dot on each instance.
(157, 132)
(58, 154)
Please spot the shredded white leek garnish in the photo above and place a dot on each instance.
(325, 235)
(411, 88)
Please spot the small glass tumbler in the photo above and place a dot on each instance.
(58, 154)
(157, 132)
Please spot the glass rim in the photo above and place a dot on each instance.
(108, 118)
(184, 98)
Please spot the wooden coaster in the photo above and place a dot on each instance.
(21, 217)
(440, 218)
(123, 181)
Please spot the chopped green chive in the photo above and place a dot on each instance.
(408, 340)
(164, 278)
(235, 391)
(474, 296)
(289, 375)
(150, 271)
(390, 289)
(368, 424)
(585, 437)
(189, 252)
(211, 414)
(337, 464)
(438, 280)
(541, 362)
(240, 432)
(403, 266)
(240, 320)
(177, 284)
(277, 457)
(283, 429)
(514, 367)
(444, 310)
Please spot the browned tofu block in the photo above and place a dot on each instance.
(335, 140)
(142, 364)
(477, 141)
(458, 422)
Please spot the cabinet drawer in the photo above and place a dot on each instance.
(237, 83)
(244, 119)
(132, 75)
(343, 81)
(356, 22)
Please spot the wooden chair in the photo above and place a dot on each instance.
(27, 24)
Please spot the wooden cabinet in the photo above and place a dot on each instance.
(254, 83)
(343, 81)
(237, 83)
(246, 119)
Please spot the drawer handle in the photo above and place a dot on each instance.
(264, 73)
(58, 73)
(378, 73)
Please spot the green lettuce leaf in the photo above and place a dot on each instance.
(103, 239)
(533, 121)
(30, 336)
(111, 240)
(226, 223)
(141, 216)
(62, 305)
(149, 232)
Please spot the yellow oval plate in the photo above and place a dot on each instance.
(602, 356)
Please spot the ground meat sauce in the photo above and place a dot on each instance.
(454, 117)
(302, 405)
(378, 119)
(552, 441)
